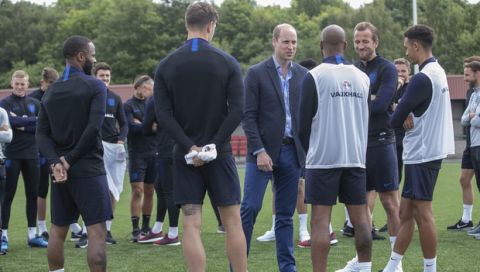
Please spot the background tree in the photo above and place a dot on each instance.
(134, 35)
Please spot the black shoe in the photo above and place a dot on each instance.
(348, 231)
(460, 225)
(383, 229)
(75, 236)
(144, 231)
(45, 236)
(376, 236)
(83, 242)
(109, 239)
(135, 235)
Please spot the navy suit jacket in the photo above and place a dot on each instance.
(264, 114)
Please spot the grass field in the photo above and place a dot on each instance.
(457, 251)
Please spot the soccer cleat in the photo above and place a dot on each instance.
(144, 231)
(348, 231)
(82, 242)
(166, 241)
(333, 239)
(460, 225)
(45, 236)
(267, 237)
(352, 266)
(304, 244)
(383, 229)
(150, 237)
(109, 240)
(474, 231)
(376, 236)
(4, 246)
(303, 236)
(37, 241)
(221, 229)
(136, 234)
(75, 236)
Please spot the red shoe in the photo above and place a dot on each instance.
(308, 244)
(150, 237)
(166, 241)
(304, 244)
(333, 239)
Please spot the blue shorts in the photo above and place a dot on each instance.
(467, 159)
(88, 197)
(382, 168)
(322, 186)
(420, 180)
(219, 177)
(142, 169)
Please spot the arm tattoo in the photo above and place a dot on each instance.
(192, 209)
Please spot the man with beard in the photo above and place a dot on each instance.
(74, 151)
(381, 163)
(467, 172)
(471, 119)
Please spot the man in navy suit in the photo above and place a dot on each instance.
(274, 149)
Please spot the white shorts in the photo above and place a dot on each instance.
(114, 158)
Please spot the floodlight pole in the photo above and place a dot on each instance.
(415, 21)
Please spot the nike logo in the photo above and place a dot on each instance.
(428, 265)
(387, 185)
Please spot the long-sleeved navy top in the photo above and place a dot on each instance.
(383, 83)
(23, 145)
(139, 144)
(164, 142)
(37, 94)
(115, 126)
(416, 98)
(467, 128)
(400, 132)
(70, 122)
(199, 96)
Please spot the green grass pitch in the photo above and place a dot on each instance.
(456, 250)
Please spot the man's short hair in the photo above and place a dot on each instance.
(140, 80)
(101, 66)
(49, 74)
(200, 14)
(474, 66)
(421, 33)
(403, 61)
(308, 63)
(20, 74)
(471, 58)
(362, 26)
(74, 45)
(278, 29)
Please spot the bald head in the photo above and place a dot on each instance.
(333, 40)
